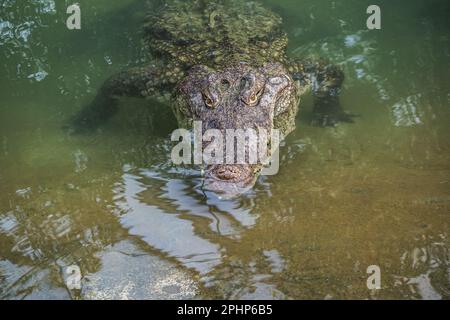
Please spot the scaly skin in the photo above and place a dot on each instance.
(224, 63)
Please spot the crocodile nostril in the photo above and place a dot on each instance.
(225, 175)
(228, 173)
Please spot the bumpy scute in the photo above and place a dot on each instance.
(215, 32)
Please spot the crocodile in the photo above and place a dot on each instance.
(224, 63)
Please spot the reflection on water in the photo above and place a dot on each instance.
(374, 192)
(162, 227)
(172, 214)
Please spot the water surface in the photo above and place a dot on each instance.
(376, 192)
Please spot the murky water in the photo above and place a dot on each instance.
(376, 192)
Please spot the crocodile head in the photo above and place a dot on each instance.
(236, 102)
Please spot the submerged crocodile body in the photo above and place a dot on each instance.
(223, 63)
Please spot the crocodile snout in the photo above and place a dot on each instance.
(230, 172)
(229, 180)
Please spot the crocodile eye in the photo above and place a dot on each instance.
(208, 101)
(253, 99)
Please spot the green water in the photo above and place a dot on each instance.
(376, 192)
